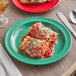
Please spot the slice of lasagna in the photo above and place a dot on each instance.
(41, 32)
(35, 48)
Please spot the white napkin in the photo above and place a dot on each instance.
(7, 65)
(2, 72)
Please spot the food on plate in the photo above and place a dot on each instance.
(41, 32)
(39, 42)
(35, 48)
(33, 1)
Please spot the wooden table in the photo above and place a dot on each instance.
(56, 69)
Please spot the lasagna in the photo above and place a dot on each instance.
(39, 42)
(41, 32)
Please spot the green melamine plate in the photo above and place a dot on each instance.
(21, 28)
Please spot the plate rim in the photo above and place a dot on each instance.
(36, 63)
(36, 11)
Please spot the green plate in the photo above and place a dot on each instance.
(21, 28)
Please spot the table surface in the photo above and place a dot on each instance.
(55, 69)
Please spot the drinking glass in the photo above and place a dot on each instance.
(3, 18)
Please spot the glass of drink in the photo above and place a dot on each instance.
(3, 18)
